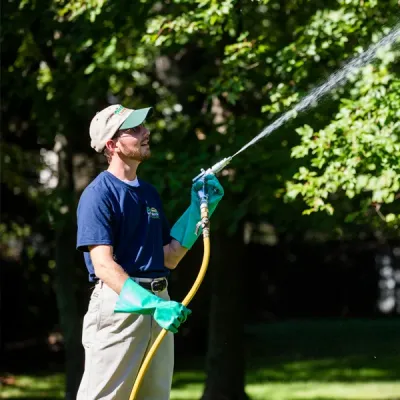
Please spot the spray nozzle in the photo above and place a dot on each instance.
(219, 166)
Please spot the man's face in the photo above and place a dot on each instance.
(134, 143)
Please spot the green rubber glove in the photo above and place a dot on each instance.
(136, 299)
(184, 230)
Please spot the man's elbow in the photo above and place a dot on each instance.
(100, 270)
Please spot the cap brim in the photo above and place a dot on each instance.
(136, 118)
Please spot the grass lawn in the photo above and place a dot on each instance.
(329, 360)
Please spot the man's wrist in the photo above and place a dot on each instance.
(173, 253)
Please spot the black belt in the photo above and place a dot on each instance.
(157, 285)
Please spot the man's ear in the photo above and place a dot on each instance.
(111, 145)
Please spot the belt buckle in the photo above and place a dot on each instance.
(158, 285)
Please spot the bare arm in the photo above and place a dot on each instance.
(173, 254)
(106, 269)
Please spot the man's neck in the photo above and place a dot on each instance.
(122, 170)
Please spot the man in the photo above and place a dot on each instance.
(129, 251)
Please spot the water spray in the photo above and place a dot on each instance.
(335, 80)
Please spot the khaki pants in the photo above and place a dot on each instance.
(115, 346)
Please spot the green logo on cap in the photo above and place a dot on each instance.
(119, 110)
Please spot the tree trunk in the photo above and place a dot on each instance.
(68, 311)
(225, 355)
(65, 277)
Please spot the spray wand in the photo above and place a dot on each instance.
(219, 166)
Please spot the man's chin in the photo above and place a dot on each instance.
(143, 156)
(146, 155)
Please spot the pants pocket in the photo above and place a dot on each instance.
(91, 318)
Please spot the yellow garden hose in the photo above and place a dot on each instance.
(185, 302)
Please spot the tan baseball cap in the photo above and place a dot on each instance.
(107, 122)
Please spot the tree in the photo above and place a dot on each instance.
(357, 154)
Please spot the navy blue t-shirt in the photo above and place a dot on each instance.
(131, 219)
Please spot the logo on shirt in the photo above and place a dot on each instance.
(152, 213)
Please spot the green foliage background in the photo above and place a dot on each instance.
(217, 72)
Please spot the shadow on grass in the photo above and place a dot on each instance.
(47, 396)
(323, 351)
(347, 351)
(351, 369)
(290, 352)
(183, 378)
(335, 398)
(44, 396)
(37, 386)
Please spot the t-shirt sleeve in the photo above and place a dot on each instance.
(94, 220)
